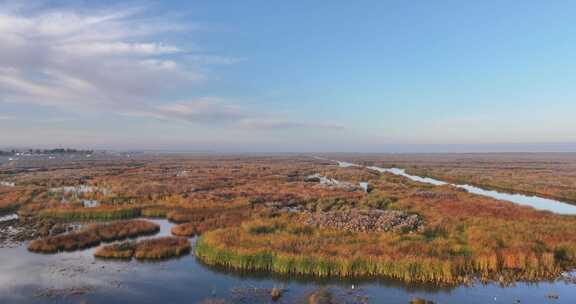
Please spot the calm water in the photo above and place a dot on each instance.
(24, 276)
(536, 202)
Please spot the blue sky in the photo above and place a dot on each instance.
(289, 75)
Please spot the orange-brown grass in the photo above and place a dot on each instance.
(545, 174)
(465, 237)
(125, 229)
(183, 215)
(12, 198)
(161, 248)
(149, 249)
(552, 183)
(155, 211)
(186, 229)
(103, 212)
(124, 250)
(194, 228)
(93, 235)
(67, 242)
(210, 219)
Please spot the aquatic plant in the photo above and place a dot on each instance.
(463, 237)
(420, 301)
(442, 255)
(186, 229)
(183, 215)
(161, 248)
(124, 250)
(125, 229)
(149, 249)
(93, 235)
(68, 242)
(549, 175)
(103, 213)
(209, 219)
(154, 211)
(320, 296)
(276, 293)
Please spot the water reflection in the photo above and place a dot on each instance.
(520, 199)
(186, 280)
(533, 201)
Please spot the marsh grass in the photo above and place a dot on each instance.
(93, 235)
(192, 229)
(124, 250)
(161, 248)
(104, 212)
(150, 249)
(155, 212)
(185, 230)
(206, 220)
(284, 246)
(101, 213)
(69, 242)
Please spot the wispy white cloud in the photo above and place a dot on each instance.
(113, 61)
(202, 110)
(116, 48)
(216, 111)
(90, 60)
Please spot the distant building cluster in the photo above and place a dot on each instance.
(26, 152)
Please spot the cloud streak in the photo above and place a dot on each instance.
(86, 61)
(113, 61)
(116, 48)
(217, 112)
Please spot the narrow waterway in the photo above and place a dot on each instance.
(536, 202)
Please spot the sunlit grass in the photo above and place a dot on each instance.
(102, 213)
(446, 255)
(150, 249)
(93, 235)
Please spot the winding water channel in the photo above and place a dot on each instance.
(77, 277)
(536, 202)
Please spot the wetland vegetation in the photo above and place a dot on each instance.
(148, 249)
(93, 235)
(545, 174)
(266, 214)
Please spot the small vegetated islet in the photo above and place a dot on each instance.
(464, 238)
(149, 249)
(93, 235)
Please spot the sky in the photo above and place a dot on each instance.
(289, 76)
